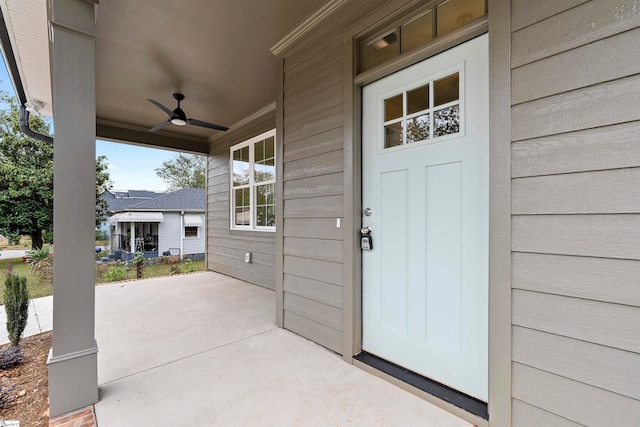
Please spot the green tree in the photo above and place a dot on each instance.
(103, 183)
(26, 176)
(184, 171)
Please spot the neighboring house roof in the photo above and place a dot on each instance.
(186, 199)
(118, 200)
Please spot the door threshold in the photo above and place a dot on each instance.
(461, 400)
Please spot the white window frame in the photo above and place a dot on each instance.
(251, 185)
(184, 232)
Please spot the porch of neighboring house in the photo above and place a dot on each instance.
(134, 232)
(205, 350)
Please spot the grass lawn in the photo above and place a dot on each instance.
(25, 243)
(114, 272)
(38, 288)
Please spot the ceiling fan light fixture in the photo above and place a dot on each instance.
(178, 121)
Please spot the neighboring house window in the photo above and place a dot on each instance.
(253, 183)
(191, 232)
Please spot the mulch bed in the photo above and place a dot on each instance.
(30, 397)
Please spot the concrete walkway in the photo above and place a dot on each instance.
(12, 253)
(40, 318)
(203, 350)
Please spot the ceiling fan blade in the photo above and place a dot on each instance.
(162, 107)
(200, 123)
(160, 126)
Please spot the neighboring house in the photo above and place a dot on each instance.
(491, 147)
(117, 200)
(172, 223)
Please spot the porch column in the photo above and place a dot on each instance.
(73, 368)
(132, 240)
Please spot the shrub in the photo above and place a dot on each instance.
(116, 272)
(138, 261)
(16, 303)
(13, 239)
(174, 269)
(10, 356)
(189, 266)
(47, 236)
(42, 263)
(101, 235)
(5, 395)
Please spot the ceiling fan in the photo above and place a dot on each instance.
(179, 118)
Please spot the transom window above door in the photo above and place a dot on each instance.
(424, 113)
(429, 23)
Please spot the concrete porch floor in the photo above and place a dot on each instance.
(203, 350)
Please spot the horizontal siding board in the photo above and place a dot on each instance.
(608, 147)
(600, 105)
(264, 281)
(300, 72)
(319, 207)
(525, 415)
(600, 366)
(600, 279)
(316, 332)
(323, 271)
(321, 249)
(531, 82)
(578, 26)
(607, 236)
(323, 164)
(573, 400)
(310, 106)
(612, 191)
(321, 143)
(319, 228)
(222, 178)
(257, 258)
(244, 244)
(321, 122)
(324, 314)
(325, 185)
(324, 78)
(612, 325)
(527, 12)
(234, 259)
(315, 290)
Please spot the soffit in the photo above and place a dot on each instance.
(26, 23)
(215, 52)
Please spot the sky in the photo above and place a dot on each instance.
(130, 167)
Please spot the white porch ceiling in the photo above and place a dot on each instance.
(215, 52)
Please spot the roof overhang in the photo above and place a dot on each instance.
(215, 52)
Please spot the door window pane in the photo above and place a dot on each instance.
(446, 89)
(417, 32)
(418, 128)
(446, 121)
(393, 135)
(393, 108)
(454, 14)
(382, 49)
(241, 166)
(418, 99)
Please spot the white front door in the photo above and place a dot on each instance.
(425, 160)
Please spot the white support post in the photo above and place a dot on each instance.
(132, 242)
(73, 367)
